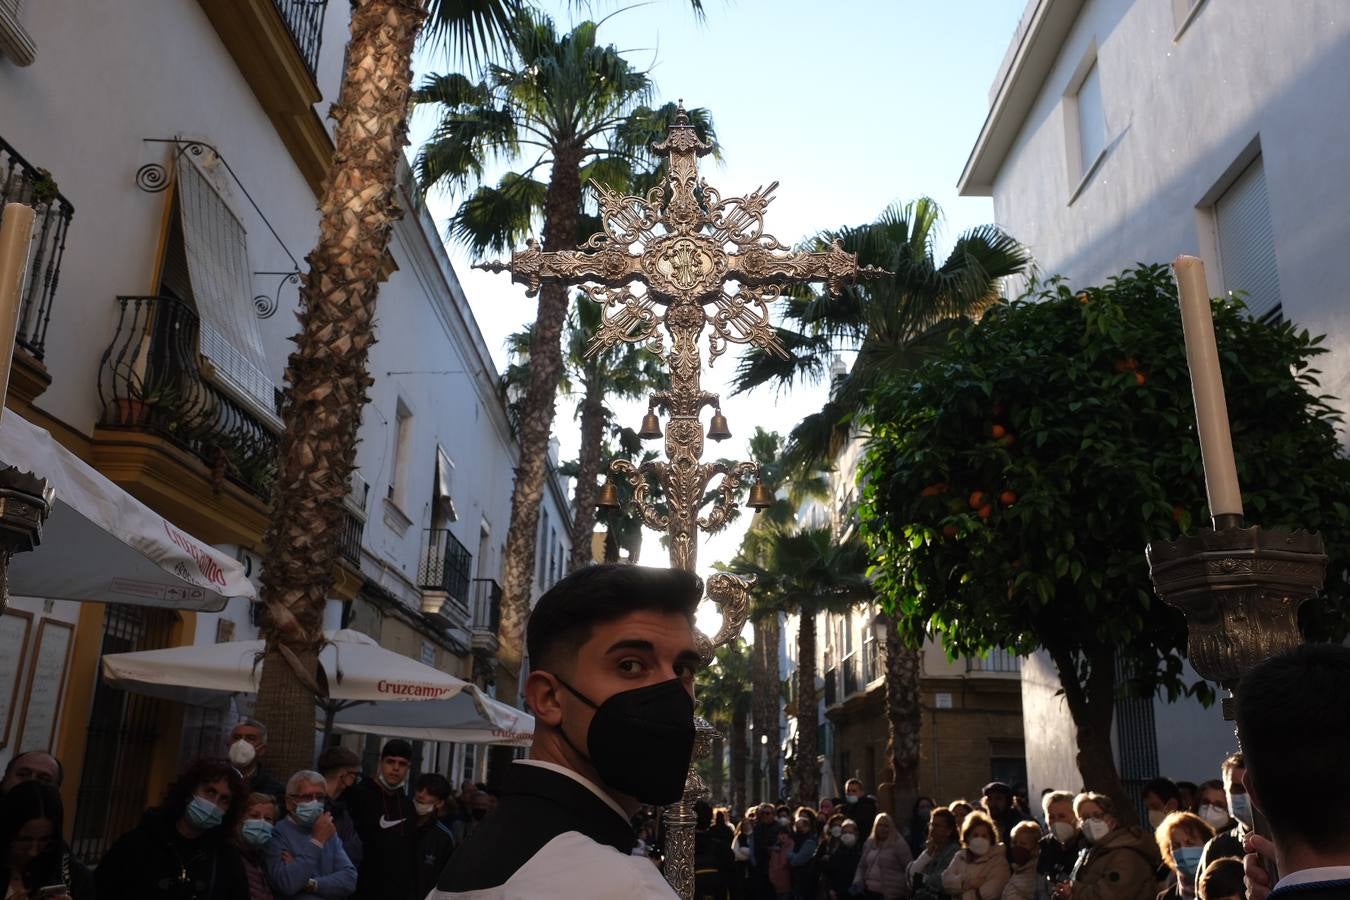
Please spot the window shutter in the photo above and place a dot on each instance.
(1091, 119)
(217, 264)
(1247, 243)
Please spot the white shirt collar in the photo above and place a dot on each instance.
(1308, 876)
(579, 779)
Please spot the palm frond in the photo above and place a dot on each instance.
(498, 218)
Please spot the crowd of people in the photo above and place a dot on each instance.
(229, 829)
(1075, 846)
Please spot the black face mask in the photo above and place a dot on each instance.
(478, 814)
(641, 740)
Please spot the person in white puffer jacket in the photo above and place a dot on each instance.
(1024, 848)
(980, 870)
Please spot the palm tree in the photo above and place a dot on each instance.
(621, 372)
(326, 376)
(810, 572)
(581, 108)
(888, 322)
(724, 701)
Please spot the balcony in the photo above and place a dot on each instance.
(831, 689)
(304, 21)
(444, 576)
(995, 661)
(487, 615)
(152, 380)
(353, 529)
(22, 182)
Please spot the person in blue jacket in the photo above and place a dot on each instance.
(304, 858)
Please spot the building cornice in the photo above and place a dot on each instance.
(1034, 50)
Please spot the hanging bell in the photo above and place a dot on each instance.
(717, 428)
(651, 426)
(760, 496)
(609, 496)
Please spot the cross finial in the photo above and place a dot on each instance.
(681, 136)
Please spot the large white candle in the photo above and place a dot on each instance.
(16, 233)
(1211, 410)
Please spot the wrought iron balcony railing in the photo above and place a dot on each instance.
(151, 379)
(22, 182)
(353, 528)
(994, 661)
(445, 566)
(304, 20)
(487, 605)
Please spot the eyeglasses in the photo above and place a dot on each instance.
(31, 842)
(311, 796)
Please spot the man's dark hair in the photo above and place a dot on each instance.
(334, 759)
(1164, 789)
(1293, 720)
(433, 783)
(564, 617)
(14, 762)
(703, 815)
(1222, 878)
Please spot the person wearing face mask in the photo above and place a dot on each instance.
(917, 833)
(435, 841)
(304, 858)
(980, 870)
(251, 836)
(246, 751)
(341, 769)
(1023, 847)
(1062, 845)
(1161, 798)
(386, 823)
(841, 865)
(925, 873)
(885, 857)
(859, 805)
(1120, 862)
(1181, 839)
(1228, 840)
(182, 849)
(762, 841)
(805, 875)
(613, 659)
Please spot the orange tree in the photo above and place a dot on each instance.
(1012, 482)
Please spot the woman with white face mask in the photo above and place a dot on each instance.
(980, 870)
(1120, 861)
(925, 873)
(845, 849)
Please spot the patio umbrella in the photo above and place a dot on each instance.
(100, 543)
(370, 689)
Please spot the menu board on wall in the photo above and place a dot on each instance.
(46, 684)
(15, 626)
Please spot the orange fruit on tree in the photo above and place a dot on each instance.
(949, 531)
(1139, 378)
(935, 489)
(1008, 440)
(984, 512)
(976, 500)
(1007, 498)
(998, 431)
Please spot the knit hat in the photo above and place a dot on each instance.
(397, 747)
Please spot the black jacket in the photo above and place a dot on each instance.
(1314, 890)
(863, 812)
(1224, 844)
(346, 829)
(840, 865)
(154, 862)
(714, 866)
(435, 843)
(264, 782)
(387, 825)
(1056, 862)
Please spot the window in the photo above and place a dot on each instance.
(1085, 122)
(398, 474)
(1246, 242)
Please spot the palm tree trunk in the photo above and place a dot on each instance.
(588, 469)
(718, 772)
(611, 543)
(737, 737)
(326, 377)
(561, 208)
(764, 703)
(904, 667)
(808, 772)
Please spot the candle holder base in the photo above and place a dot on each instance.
(1240, 589)
(25, 502)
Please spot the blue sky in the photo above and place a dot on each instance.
(850, 106)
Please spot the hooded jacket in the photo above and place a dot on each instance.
(1118, 867)
(990, 871)
(154, 862)
(386, 823)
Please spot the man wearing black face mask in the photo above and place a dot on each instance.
(613, 660)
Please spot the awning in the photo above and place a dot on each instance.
(371, 690)
(102, 544)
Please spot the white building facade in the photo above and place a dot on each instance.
(1123, 131)
(189, 139)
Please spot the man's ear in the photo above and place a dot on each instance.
(542, 693)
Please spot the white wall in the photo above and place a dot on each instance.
(1048, 729)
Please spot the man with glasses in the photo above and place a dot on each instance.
(35, 765)
(341, 769)
(305, 858)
